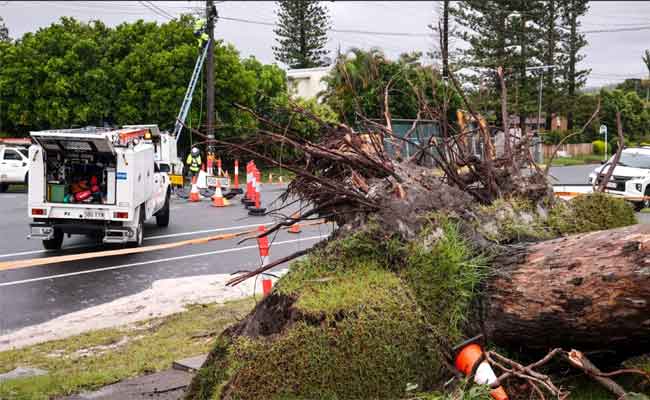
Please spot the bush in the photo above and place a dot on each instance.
(598, 147)
(591, 212)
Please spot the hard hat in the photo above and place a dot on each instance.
(195, 151)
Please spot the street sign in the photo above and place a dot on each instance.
(603, 130)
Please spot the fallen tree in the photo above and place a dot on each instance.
(425, 258)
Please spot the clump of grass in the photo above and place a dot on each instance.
(444, 276)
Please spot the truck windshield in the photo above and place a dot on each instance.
(634, 160)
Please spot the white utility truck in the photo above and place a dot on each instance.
(630, 178)
(98, 181)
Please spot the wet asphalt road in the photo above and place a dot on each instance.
(37, 294)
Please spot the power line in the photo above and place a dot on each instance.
(155, 11)
(355, 31)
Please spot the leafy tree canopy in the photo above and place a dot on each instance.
(78, 74)
(357, 85)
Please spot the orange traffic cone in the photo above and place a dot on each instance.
(219, 170)
(194, 193)
(257, 209)
(470, 359)
(263, 244)
(249, 198)
(295, 228)
(235, 187)
(218, 199)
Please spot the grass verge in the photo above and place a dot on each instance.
(577, 160)
(94, 359)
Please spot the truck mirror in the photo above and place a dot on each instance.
(164, 168)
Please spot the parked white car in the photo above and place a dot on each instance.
(630, 178)
(14, 166)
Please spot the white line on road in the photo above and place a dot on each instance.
(227, 228)
(208, 253)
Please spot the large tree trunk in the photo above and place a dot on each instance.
(589, 291)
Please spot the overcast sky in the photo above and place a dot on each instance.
(612, 56)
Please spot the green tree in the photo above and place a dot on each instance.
(551, 54)
(635, 118)
(74, 73)
(646, 61)
(301, 33)
(358, 82)
(4, 31)
(573, 42)
(503, 34)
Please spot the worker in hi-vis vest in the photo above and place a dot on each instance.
(199, 32)
(194, 161)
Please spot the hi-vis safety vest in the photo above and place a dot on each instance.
(199, 31)
(194, 163)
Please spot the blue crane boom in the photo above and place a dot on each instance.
(187, 101)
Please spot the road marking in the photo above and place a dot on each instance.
(78, 246)
(208, 253)
(227, 228)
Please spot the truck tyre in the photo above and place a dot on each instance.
(3, 187)
(140, 232)
(162, 218)
(56, 241)
(645, 203)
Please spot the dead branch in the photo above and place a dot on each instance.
(243, 277)
(580, 361)
(610, 170)
(504, 113)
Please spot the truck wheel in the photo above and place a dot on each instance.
(638, 206)
(140, 233)
(162, 218)
(54, 243)
(3, 187)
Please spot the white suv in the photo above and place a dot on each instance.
(630, 178)
(14, 166)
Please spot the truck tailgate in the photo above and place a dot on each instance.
(98, 212)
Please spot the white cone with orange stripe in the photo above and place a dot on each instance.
(217, 199)
(194, 192)
(263, 244)
(471, 359)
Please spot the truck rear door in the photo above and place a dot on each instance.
(74, 142)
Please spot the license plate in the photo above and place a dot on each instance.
(93, 214)
(611, 185)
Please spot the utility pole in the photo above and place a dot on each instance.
(210, 14)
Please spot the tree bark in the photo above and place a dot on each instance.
(589, 291)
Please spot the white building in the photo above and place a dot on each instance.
(307, 82)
